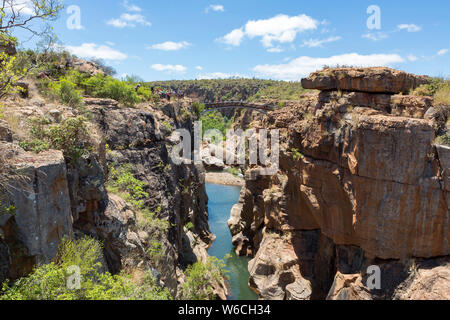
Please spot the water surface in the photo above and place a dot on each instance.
(221, 200)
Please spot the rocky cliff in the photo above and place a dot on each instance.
(361, 183)
(46, 197)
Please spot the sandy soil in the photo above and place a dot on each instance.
(224, 178)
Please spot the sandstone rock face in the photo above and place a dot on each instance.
(376, 80)
(40, 193)
(361, 169)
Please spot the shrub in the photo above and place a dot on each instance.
(296, 154)
(66, 92)
(199, 279)
(234, 171)
(215, 120)
(444, 139)
(189, 226)
(121, 180)
(35, 145)
(71, 137)
(155, 251)
(107, 87)
(198, 108)
(145, 93)
(49, 282)
(429, 89)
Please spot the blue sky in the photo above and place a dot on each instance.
(283, 39)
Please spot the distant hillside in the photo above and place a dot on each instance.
(234, 89)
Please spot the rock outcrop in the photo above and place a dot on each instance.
(361, 169)
(50, 199)
(37, 187)
(373, 80)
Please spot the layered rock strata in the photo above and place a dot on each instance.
(359, 169)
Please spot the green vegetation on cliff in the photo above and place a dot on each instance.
(199, 278)
(70, 136)
(216, 121)
(76, 274)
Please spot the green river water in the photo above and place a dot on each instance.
(221, 200)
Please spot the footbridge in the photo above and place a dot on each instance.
(217, 106)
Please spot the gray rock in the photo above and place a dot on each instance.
(43, 214)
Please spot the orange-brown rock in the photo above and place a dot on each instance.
(399, 280)
(376, 80)
(363, 170)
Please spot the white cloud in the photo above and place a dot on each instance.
(199, 68)
(234, 38)
(409, 27)
(92, 50)
(169, 67)
(24, 7)
(303, 66)
(313, 43)
(442, 52)
(215, 7)
(275, 50)
(281, 28)
(219, 75)
(375, 36)
(131, 7)
(412, 58)
(170, 46)
(129, 20)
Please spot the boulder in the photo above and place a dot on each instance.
(375, 80)
(101, 102)
(88, 67)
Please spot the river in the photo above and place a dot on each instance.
(221, 200)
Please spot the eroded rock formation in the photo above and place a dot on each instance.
(359, 169)
(54, 198)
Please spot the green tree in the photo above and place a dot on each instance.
(200, 278)
(30, 17)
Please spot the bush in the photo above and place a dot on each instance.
(50, 281)
(429, 89)
(71, 137)
(199, 279)
(145, 93)
(198, 108)
(122, 181)
(297, 155)
(444, 139)
(108, 87)
(215, 120)
(66, 92)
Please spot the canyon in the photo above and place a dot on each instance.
(361, 183)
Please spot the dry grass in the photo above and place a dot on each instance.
(442, 96)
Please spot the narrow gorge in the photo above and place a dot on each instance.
(363, 185)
